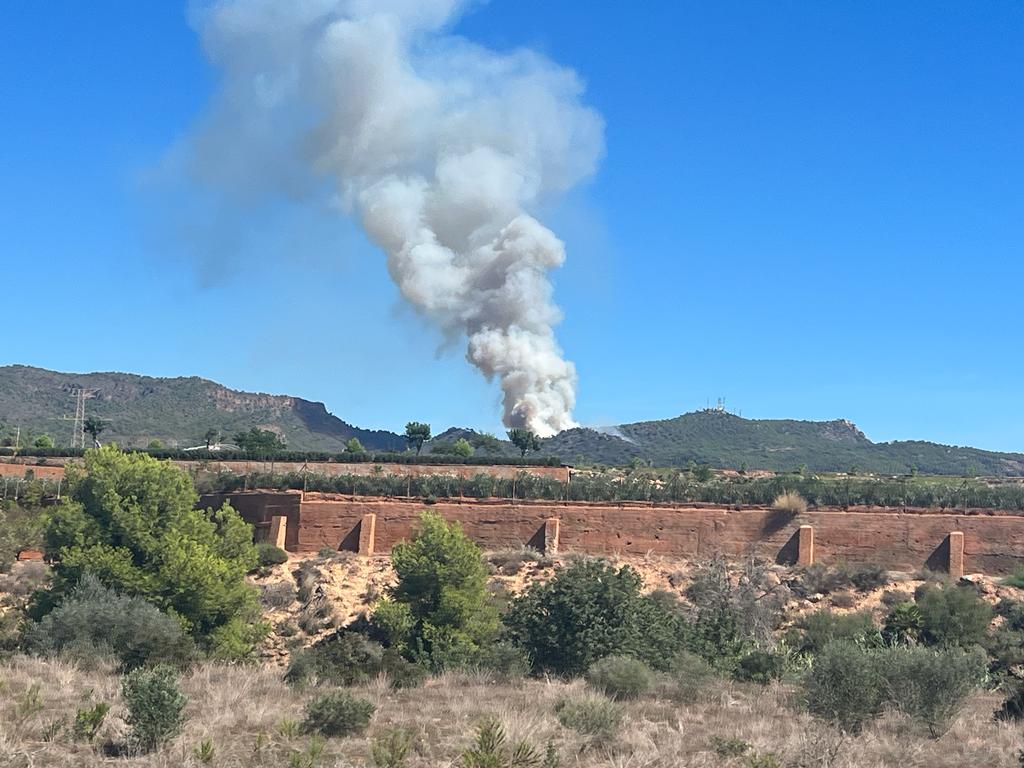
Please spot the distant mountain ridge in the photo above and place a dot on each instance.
(179, 411)
(176, 411)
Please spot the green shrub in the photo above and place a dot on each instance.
(816, 630)
(766, 760)
(866, 577)
(730, 746)
(510, 561)
(952, 615)
(503, 660)
(442, 580)
(268, 555)
(893, 597)
(155, 707)
(491, 749)
(390, 749)
(903, 624)
(1015, 580)
(1005, 648)
(590, 610)
(392, 624)
(843, 686)
(337, 714)
(931, 686)
(205, 752)
(820, 579)
(620, 677)
(848, 684)
(93, 620)
(688, 675)
(131, 520)
(761, 667)
(596, 717)
(88, 721)
(347, 658)
(843, 599)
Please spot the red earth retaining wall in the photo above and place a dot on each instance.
(993, 543)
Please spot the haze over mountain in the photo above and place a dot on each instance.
(179, 411)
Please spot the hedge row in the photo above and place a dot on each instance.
(303, 456)
(602, 488)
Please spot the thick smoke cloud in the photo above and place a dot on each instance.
(440, 147)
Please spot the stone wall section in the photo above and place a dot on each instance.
(896, 539)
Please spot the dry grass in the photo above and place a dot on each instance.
(790, 501)
(249, 715)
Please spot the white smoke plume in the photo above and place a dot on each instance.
(440, 147)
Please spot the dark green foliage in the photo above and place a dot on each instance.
(268, 555)
(590, 610)
(849, 684)
(716, 637)
(761, 667)
(903, 624)
(816, 630)
(417, 433)
(524, 440)
(390, 749)
(94, 427)
(155, 707)
(931, 686)
(259, 442)
(952, 615)
(620, 677)
(347, 658)
(93, 620)
(337, 714)
(688, 675)
(503, 660)
(867, 577)
(821, 579)
(844, 687)
(20, 528)
(1005, 646)
(662, 486)
(491, 749)
(131, 521)
(442, 585)
(1012, 708)
(593, 716)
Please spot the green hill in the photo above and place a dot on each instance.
(179, 411)
(722, 439)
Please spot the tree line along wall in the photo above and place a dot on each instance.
(54, 468)
(895, 539)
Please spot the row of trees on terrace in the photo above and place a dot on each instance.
(678, 488)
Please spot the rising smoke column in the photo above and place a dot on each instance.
(440, 147)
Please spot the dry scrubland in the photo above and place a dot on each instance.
(249, 716)
(744, 664)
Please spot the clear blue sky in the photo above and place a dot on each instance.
(814, 210)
